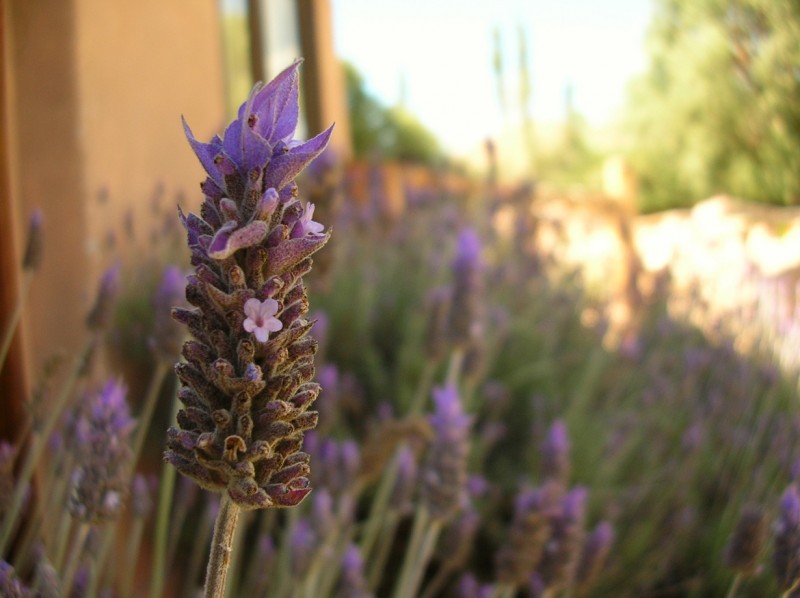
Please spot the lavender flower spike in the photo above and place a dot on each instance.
(555, 453)
(466, 311)
(100, 483)
(444, 473)
(247, 375)
(786, 555)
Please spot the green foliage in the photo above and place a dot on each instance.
(390, 133)
(671, 438)
(719, 109)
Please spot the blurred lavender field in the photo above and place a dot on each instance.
(595, 456)
(520, 386)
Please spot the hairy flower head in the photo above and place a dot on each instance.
(247, 375)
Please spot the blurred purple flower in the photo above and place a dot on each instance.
(100, 482)
(528, 533)
(786, 534)
(563, 549)
(747, 540)
(555, 453)
(466, 311)
(404, 484)
(32, 257)
(444, 473)
(353, 583)
(469, 587)
(594, 555)
(10, 585)
(100, 315)
(169, 335)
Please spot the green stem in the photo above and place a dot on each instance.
(220, 555)
(377, 564)
(344, 537)
(34, 453)
(62, 540)
(454, 367)
(377, 515)
(195, 562)
(434, 588)
(99, 571)
(166, 488)
(74, 558)
(503, 591)
(423, 537)
(156, 380)
(233, 589)
(131, 556)
(418, 402)
(252, 585)
(284, 573)
(8, 335)
(734, 586)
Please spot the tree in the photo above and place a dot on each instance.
(391, 133)
(719, 108)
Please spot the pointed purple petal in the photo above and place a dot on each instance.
(257, 150)
(283, 168)
(205, 152)
(277, 105)
(232, 142)
(228, 241)
(288, 253)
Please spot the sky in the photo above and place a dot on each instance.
(436, 57)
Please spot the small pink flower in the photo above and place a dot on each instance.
(309, 225)
(261, 318)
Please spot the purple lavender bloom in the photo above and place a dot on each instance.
(10, 584)
(353, 583)
(247, 379)
(555, 453)
(594, 554)
(142, 495)
(46, 579)
(466, 311)
(100, 314)
(169, 335)
(458, 539)
(32, 257)
(261, 139)
(744, 547)
(323, 518)
(302, 545)
(786, 551)
(469, 587)
(444, 473)
(528, 533)
(338, 464)
(403, 491)
(100, 482)
(562, 551)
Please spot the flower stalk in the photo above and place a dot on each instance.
(221, 544)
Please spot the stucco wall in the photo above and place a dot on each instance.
(97, 90)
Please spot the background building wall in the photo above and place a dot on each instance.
(94, 93)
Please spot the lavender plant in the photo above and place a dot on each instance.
(668, 438)
(247, 379)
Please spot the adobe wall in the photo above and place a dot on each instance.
(96, 92)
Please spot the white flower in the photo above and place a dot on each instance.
(309, 225)
(261, 318)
